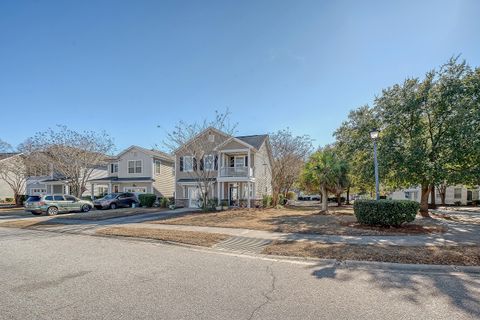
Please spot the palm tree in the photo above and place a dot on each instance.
(322, 172)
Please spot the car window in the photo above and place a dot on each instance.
(109, 196)
(58, 198)
(70, 198)
(130, 195)
(49, 198)
(33, 199)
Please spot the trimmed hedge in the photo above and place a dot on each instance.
(147, 199)
(385, 212)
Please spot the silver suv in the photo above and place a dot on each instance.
(52, 204)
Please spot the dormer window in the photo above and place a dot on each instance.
(211, 137)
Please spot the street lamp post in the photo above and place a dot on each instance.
(374, 135)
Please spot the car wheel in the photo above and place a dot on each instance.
(85, 208)
(113, 206)
(36, 213)
(51, 211)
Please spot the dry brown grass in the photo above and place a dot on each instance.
(96, 215)
(446, 255)
(339, 221)
(203, 239)
(27, 223)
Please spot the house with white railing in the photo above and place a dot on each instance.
(238, 170)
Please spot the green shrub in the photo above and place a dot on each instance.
(385, 212)
(212, 204)
(147, 199)
(164, 202)
(224, 203)
(89, 198)
(291, 195)
(458, 203)
(8, 199)
(267, 201)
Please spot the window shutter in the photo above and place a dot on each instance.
(246, 161)
(194, 164)
(232, 161)
(216, 162)
(181, 163)
(201, 164)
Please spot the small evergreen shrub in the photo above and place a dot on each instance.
(147, 199)
(457, 203)
(8, 199)
(385, 212)
(291, 195)
(267, 201)
(164, 202)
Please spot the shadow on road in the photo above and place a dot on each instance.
(462, 290)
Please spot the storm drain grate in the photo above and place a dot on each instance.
(243, 244)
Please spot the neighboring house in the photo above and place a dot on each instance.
(5, 190)
(138, 170)
(240, 170)
(453, 194)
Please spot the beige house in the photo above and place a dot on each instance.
(138, 170)
(453, 194)
(237, 169)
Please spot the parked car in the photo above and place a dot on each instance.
(116, 200)
(51, 204)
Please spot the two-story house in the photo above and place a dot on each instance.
(139, 170)
(239, 169)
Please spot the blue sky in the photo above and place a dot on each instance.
(127, 66)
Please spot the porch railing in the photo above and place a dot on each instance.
(236, 172)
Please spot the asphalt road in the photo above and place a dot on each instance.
(45, 275)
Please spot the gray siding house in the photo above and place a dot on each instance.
(239, 170)
(138, 170)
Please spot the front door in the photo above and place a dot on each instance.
(233, 195)
(193, 197)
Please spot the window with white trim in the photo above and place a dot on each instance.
(188, 163)
(239, 161)
(38, 190)
(135, 189)
(134, 166)
(158, 165)
(457, 193)
(208, 162)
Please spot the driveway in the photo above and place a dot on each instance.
(47, 275)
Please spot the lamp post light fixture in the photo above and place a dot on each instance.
(374, 135)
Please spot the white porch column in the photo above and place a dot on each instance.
(248, 186)
(249, 164)
(92, 188)
(67, 189)
(109, 187)
(218, 193)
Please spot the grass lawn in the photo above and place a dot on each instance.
(108, 214)
(188, 237)
(339, 221)
(446, 255)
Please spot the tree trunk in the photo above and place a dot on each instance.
(348, 196)
(16, 197)
(339, 199)
(424, 200)
(442, 197)
(442, 189)
(433, 204)
(324, 199)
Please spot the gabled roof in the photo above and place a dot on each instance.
(154, 153)
(5, 155)
(255, 141)
(199, 135)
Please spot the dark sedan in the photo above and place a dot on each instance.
(116, 200)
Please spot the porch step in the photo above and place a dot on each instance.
(243, 244)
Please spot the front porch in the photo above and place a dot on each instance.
(107, 185)
(236, 193)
